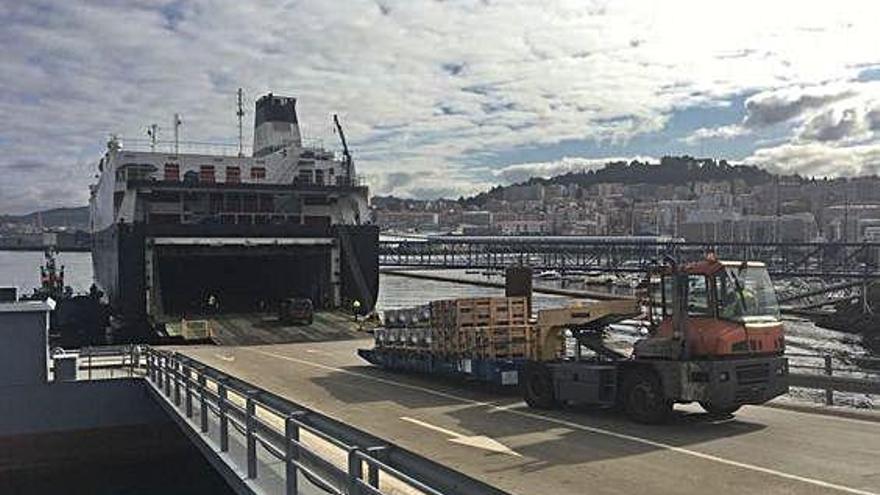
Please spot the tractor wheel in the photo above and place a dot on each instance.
(538, 387)
(643, 398)
(719, 411)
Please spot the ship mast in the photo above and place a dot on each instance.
(177, 123)
(240, 114)
(153, 133)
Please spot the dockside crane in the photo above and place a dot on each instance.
(346, 155)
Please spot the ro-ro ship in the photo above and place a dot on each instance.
(172, 230)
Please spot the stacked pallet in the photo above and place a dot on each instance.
(477, 328)
(485, 327)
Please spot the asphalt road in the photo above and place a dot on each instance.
(494, 437)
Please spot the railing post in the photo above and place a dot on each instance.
(185, 369)
(373, 469)
(829, 391)
(223, 405)
(355, 471)
(203, 401)
(250, 409)
(175, 366)
(167, 372)
(150, 368)
(291, 453)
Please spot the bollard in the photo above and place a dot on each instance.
(250, 410)
(829, 392)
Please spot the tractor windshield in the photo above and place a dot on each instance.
(745, 293)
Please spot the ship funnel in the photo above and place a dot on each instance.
(275, 124)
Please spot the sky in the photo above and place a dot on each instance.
(443, 98)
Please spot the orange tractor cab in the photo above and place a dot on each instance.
(729, 309)
(715, 338)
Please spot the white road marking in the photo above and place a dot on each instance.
(225, 358)
(478, 441)
(578, 426)
(316, 351)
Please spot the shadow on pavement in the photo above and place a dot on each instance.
(568, 436)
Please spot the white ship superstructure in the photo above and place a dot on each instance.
(154, 212)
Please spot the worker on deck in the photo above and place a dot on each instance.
(213, 305)
(356, 308)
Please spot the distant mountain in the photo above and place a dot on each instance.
(75, 218)
(670, 170)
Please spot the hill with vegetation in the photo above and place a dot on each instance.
(671, 170)
(72, 218)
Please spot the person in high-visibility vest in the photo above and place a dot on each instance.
(356, 308)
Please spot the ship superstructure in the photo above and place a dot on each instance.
(174, 229)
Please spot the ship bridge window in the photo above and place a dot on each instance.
(267, 203)
(304, 177)
(258, 172)
(233, 175)
(287, 203)
(206, 173)
(215, 202)
(172, 172)
(249, 202)
(232, 203)
(319, 177)
(135, 171)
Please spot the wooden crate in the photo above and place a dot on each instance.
(480, 312)
(515, 341)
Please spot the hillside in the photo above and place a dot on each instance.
(670, 170)
(76, 218)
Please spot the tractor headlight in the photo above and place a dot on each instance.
(723, 376)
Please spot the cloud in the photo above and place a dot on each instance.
(423, 86)
(819, 159)
(524, 171)
(724, 132)
(832, 125)
(774, 107)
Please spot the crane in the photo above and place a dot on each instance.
(345, 153)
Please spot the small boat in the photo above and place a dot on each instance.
(548, 275)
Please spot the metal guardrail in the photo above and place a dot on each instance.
(616, 254)
(831, 378)
(372, 466)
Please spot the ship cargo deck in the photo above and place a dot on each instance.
(239, 329)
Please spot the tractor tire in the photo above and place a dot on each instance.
(643, 398)
(537, 386)
(719, 411)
